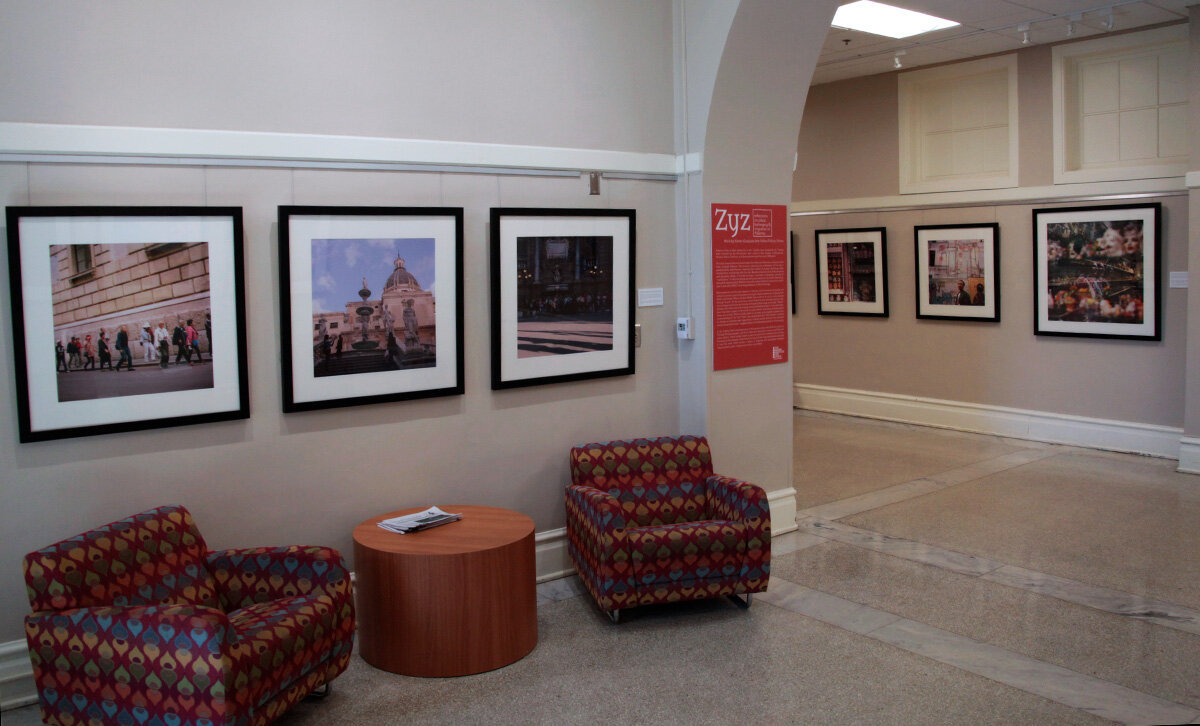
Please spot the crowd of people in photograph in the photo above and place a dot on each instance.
(565, 305)
(1095, 271)
(1091, 301)
(81, 354)
(1108, 240)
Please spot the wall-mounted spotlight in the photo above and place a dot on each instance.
(1107, 22)
(1071, 20)
(896, 60)
(1023, 29)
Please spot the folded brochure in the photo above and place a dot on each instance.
(418, 521)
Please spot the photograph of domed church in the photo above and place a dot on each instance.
(374, 305)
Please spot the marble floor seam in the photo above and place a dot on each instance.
(919, 487)
(1093, 695)
(1114, 602)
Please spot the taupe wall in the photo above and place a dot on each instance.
(570, 73)
(580, 74)
(849, 142)
(1000, 364)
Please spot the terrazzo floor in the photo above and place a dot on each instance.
(936, 577)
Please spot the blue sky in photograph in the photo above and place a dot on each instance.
(339, 266)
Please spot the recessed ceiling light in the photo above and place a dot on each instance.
(879, 19)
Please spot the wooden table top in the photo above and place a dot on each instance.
(481, 528)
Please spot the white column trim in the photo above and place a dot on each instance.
(16, 676)
(1189, 455)
(1192, 180)
(1095, 191)
(1045, 426)
(105, 144)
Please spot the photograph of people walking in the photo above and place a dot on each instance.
(97, 294)
(129, 289)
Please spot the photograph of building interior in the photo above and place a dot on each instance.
(907, 521)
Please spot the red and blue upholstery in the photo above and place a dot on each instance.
(649, 522)
(136, 622)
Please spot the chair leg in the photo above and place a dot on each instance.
(614, 615)
(743, 604)
(320, 694)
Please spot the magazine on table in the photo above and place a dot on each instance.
(418, 521)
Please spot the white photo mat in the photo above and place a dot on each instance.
(303, 229)
(38, 233)
(513, 227)
(1149, 216)
(875, 237)
(987, 235)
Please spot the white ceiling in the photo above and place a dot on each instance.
(987, 26)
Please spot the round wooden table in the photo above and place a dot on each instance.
(448, 601)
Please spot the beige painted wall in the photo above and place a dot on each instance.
(849, 144)
(849, 140)
(1000, 364)
(570, 73)
(758, 99)
(580, 74)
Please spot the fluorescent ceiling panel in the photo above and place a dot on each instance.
(879, 19)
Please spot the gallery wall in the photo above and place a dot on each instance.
(578, 74)
(995, 364)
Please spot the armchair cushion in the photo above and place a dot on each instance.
(678, 561)
(150, 558)
(657, 481)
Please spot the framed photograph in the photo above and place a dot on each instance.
(126, 318)
(1097, 271)
(562, 295)
(371, 300)
(792, 268)
(852, 272)
(958, 272)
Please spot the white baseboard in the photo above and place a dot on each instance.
(550, 549)
(1045, 426)
(553, 562)
(16, 676)
(1189, 455)
(783, 510)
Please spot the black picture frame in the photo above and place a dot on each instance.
(410, 344)
(792, 269)
(1098, 271)
(89, 273)
(562, 294)
(845, 291)
(948, 254)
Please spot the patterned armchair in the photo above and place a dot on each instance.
(136, 622)
(649, 522)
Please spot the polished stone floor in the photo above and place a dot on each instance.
(936, 578)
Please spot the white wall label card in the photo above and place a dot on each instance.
(649, 297)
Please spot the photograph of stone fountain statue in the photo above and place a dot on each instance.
(1096, 271)
(373, 305)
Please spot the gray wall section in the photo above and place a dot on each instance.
(575, 74)
(570, 73)
(758, 100)
(849, 144)
(999, 364)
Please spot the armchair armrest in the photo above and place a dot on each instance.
(183, 652)
(598, 546)
(740, 501)
(248, 576)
